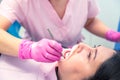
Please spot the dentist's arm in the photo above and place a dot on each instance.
(97, 27)
(44, 50)
(8, 44)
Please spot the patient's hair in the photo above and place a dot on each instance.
(109, 70)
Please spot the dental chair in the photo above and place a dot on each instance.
(117, 45)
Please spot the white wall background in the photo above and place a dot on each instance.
(109, 14)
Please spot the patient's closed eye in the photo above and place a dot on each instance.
(89, 54)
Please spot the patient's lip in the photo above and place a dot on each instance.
(63, 56)
(66, 52)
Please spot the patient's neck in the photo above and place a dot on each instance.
(66, 76)
(58, 74)
(56, 69)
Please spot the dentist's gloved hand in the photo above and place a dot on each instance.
(113, 36)
(44, 50)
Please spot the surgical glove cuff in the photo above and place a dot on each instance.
(25, 49)
(112, 36)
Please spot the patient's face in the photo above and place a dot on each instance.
(82, 61)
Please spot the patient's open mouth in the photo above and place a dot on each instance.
(66, 54)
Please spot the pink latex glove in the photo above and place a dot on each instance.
(44, 50)
(113, 36)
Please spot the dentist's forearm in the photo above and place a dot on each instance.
(9, 45)
(97, 27)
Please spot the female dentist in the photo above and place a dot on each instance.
(50, 24)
